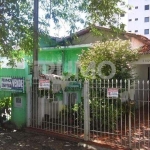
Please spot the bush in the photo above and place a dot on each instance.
(5, 105)
(105, 114)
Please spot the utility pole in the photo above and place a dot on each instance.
(35, 74)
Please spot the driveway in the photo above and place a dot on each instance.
(19, 140)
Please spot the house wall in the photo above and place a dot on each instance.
(144, 59)
(142, 71)
(19, 113)
(142, 87)
(66, 56)
(135, 43)
(8, 71)
(141, 68)
(91, 38)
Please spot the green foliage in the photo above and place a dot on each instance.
(5, 105)
(73, 114)
(117, 52)
(5, 102)
(86, 12)
(14, 25)
(16, 21)
(106, 113)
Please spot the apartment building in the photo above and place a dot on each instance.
(137, 17)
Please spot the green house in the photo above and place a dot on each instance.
(56, 56)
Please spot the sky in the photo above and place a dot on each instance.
(62, 32)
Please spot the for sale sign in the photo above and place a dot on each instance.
(12, 83)
(44, 84)
(112, 92)
(6, 83)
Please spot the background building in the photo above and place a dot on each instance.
(137, 18)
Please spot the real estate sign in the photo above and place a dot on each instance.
(44, 84)
(12, 83)
(112, 92)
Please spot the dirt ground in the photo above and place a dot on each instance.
(19, 140)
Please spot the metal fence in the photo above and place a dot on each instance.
(58, 115)
(110, 111)
(119, 113)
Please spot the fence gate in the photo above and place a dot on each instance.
(119, 113)
(108, 111)
(58, 110)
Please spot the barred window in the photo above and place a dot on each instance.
(54, 69)
(72, 98)
(30, 68)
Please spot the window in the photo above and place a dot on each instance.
(130, 19)
(72, 98)
(146, 7)
(40, 68)
(136, 31)
(146, 19)
(54, 69)
(129, 8)
(136, 7)
(18, 102)
(136, 19)
(122, 15)
(30, 68)
(146, 31)
(129, 31)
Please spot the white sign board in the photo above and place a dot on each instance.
(112, 92)
(6, 83)
(44, 84)
(12, 83)
(18, 102)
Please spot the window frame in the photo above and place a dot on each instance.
(145, 19)
(146, 33)
(55, 68)
(72, 98)
(146, 7)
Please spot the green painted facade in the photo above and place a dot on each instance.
(62, 56)
(19, 113)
